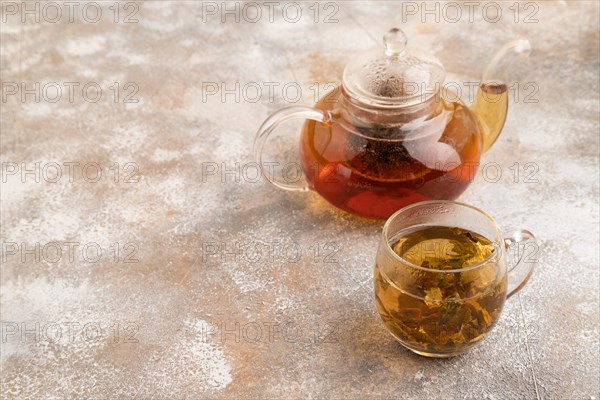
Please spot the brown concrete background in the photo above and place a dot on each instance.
(296, 321)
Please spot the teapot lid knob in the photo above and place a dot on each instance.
(394, 41)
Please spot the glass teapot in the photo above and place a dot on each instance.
(392, 134)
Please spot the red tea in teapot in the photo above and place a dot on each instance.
(375, 169)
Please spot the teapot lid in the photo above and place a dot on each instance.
(400, 76)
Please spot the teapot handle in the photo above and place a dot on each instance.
(270, 124)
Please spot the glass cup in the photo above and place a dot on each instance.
(444, 312)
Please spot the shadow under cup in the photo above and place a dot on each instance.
(443, 313)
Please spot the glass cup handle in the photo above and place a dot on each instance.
(269, 126)
(521, 271)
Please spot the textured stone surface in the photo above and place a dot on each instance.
(297, 321)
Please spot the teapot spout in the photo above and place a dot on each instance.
(491, 101)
